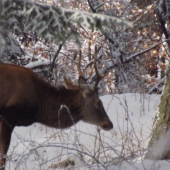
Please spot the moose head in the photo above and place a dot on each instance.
(25, 98)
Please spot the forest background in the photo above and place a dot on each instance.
(58, 38)
(132, 54)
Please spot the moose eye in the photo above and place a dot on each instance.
(98, 103)
(89, 94)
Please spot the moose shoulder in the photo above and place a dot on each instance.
(25, 98)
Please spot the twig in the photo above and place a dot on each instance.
(56, 55)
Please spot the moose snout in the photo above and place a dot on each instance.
(107, 126)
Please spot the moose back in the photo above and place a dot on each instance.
(26, 98)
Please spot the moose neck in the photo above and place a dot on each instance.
(59, 107)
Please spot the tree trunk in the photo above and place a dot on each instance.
(159, 145)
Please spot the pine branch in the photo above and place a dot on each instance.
(53, 23)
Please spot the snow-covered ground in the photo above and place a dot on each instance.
(85, 146)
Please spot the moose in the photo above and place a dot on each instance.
(26, 98)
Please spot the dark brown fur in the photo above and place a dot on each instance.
(25, 98)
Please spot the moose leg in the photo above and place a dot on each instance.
(5, 137)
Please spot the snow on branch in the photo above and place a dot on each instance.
(53, 23)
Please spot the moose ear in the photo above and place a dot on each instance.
(69, 84)
(83, 86)
(82, 82)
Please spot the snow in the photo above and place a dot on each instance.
(85, 146)
(38, 63)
